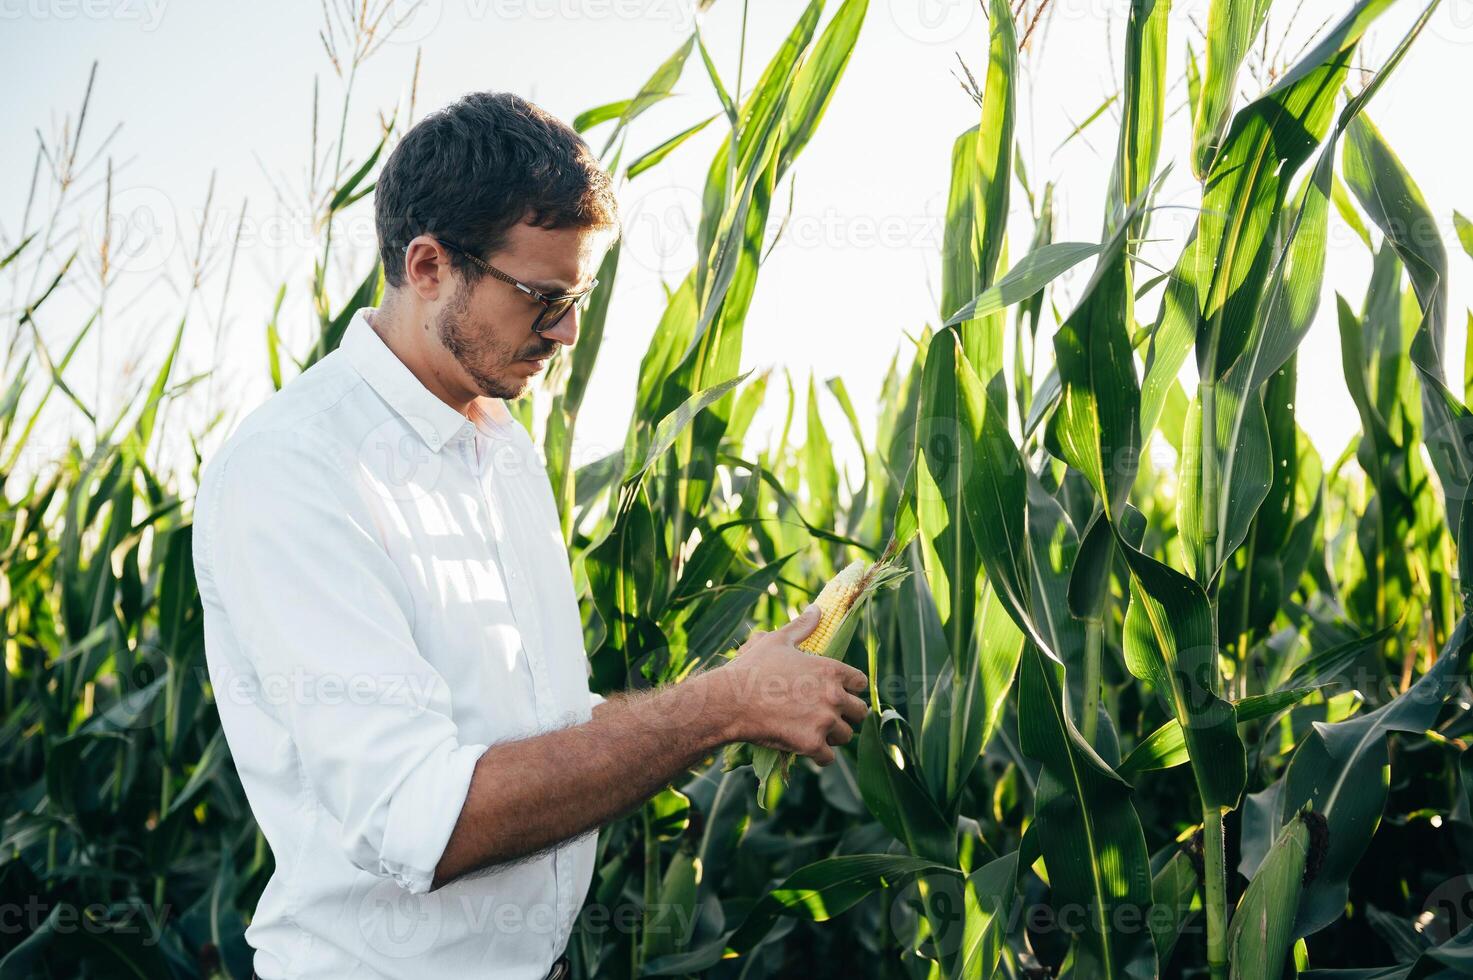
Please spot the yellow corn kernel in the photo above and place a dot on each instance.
(834, 602)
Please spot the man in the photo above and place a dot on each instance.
(391, 627)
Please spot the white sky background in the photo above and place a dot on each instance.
(204, 86)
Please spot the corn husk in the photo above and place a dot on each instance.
(766, 762)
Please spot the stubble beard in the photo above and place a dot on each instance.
(470, 351)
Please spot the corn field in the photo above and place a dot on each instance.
(1129, 719)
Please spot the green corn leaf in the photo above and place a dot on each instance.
(1171, 336)
(1231, 27)
(992, 183)
(977, 202)
(1287, 310)
(622, 571)
(817, 80)
(1095, 427)
(820, 476)
(1338, 770)
(727, 105)
(656, 88)
(1088, 830)
(1228, 255)
(1074, 133)
(650, 158)
(348, 191)
(960, 276)
(667, 928)
(654, 397)
(1169, 629)
(1244, 192)
(1166, 747)
(1033, 272)
(589, 118)
(1174, 888)
(206, 768)
(722, 617)
(672, 425)
(859, 497)
(987, 914)
(944, 468)
(1142, 112)
(1461, 224)
(986, 508)
(1054, 547)
(923, 648)
(731, 185)
(1169, 641)
(669, 813)
(898, 799)
(563, 413)
(1089, 579)
(1394, 203)
(815, 892)
(368, 293)
(1325, 666)
(273, 339)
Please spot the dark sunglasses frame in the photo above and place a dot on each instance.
(554, 306)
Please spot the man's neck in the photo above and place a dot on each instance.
(412, 349)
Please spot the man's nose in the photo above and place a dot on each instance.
(565, 331)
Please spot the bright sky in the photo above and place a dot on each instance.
(224, 88)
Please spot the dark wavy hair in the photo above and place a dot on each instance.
(476, 168)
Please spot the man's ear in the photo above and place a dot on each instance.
(427, 268)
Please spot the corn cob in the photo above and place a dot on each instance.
(838, 602)
(1261, 935)
(834, 602)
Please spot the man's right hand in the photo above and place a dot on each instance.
(776, 695)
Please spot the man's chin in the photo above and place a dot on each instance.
(508, 389)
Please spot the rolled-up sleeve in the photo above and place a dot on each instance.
(323, 614)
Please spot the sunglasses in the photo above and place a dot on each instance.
(554, 307)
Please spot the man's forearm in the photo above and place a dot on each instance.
(535, 792)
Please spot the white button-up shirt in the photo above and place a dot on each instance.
(386, 593)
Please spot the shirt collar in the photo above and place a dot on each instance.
(435, 422)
